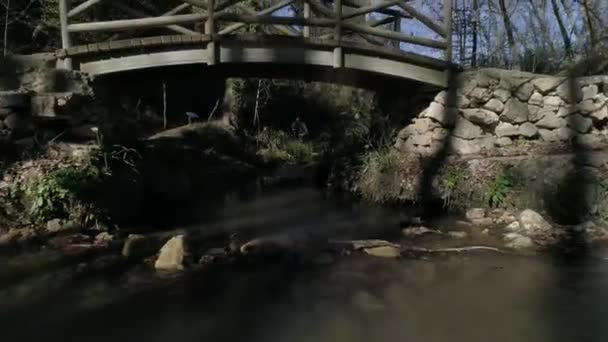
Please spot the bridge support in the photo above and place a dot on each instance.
(65, 34)
(338, 53)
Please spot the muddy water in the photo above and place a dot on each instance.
(458, 298)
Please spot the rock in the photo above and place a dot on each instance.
(86, 132)
(580, 123)
(517, 241)
(171, 257)
(505, 129)
(547, 84)
(458, 235)
(563, 112)
(418, 231)
(273, 246)
(481, 116)
(461, 101)
(475, 213)
(484, 221)
(424, 125)
(590, 92)
(480, 95)
(536, 99)
(422, 139)
(502, 95)
(103, 238)
(504, 141)
(138, 246)
(485, 231)
(565, 134)
(513, 227)
(524, 91)
(43, 106)
(436, 112)
(569, 95)
(17, 236)
(464, 147)
(590, 141)
(467, 130)
(528, 130)
(59, 225)
(494, 105)
(551, 121)
(439, 134)
(552, 102)
(533, 223)
(549, 135)
(383, 252)
(601, 114)
(587, 107)
(13, 99)
(515, 111)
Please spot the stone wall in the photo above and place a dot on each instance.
(499, 112)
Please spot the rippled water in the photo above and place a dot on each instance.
(458, 298)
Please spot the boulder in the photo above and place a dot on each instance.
(383, 251)
(138, 246)
(601, 114)
(590, 92)
(504, 141)
(553, 102)
(551, 121)
(43, 105)
(481, 116)
(515, 111)
(502, 95)
(61, 226)
(547, 84)
(436, 112)
(422, 139)
(532, 223)
(424, 125)
(579, 123)
(536, 99)
(517, 241)
(495, 106)
(524, 91)
(171, 256)
(569, 95)
(475, 214)
(528, 130)
(467, 130)
(480, 95)
(505, 129)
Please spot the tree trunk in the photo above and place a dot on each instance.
(588, 14)
(562, 29)
(508, 30)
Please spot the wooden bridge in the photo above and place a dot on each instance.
(357, 36)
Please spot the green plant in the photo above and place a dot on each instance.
(450, 182)
(498, 189)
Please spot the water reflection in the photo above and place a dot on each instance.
(477, 297)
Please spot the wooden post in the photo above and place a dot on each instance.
(65, 34)
(306, 16)
(164, 105)
(210, 30)
(447, 15)
(338, 56)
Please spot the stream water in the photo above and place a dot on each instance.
(456, 298)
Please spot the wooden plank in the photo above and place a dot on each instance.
(295, 21)
(372, 8)
(306, 30)
(260, 14)
(395, 36)
(338, 55)
(82, 7)
(428, 22)
(140, 14)
(135, 24)
(173, 11)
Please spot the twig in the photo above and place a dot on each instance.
(217, 104)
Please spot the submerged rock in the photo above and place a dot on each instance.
(533, 223)
(517, 241)
(475, 214)
(458, 235)
(418, 231)
(171, 257)
(383, 252)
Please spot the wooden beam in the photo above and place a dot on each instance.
(260, 14)
(66, 41)
(210, 30)
(218, 7)
(428, 22)
(173, 11)
(136, 24)
(140, 14)
(372, 8)
(395, 36)
(82, 7)
(270, 20)
(338, 53)
(306, 29)
(373, 23)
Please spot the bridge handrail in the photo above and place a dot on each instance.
(314, 15)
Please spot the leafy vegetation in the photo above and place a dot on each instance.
(497, 191)
(453, 179)
(275, 146)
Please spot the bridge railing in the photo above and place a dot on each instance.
(336, 22)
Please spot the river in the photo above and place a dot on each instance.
(455, 297)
